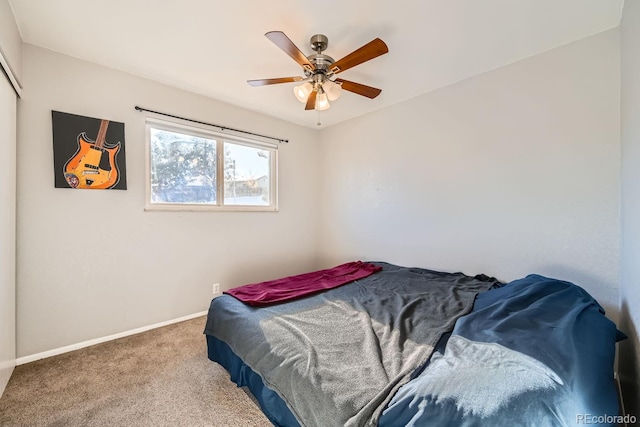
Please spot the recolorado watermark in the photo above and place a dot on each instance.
(605, 419)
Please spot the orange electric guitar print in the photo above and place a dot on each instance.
(94, 164)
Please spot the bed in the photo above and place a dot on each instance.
(412, 347)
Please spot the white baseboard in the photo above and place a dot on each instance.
(72, 347)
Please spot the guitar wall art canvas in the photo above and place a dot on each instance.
(88, 153)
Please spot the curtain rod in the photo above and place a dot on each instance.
(223, 128)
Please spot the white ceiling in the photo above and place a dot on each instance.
(212, 47)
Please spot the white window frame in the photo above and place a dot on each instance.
(220, 138)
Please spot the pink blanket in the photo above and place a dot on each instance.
(292, 287)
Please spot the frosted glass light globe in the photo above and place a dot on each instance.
(302, 92)
(322, 103)
(333, 90)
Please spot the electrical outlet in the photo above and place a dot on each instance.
(216, 288)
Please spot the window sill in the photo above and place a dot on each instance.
(168, 207)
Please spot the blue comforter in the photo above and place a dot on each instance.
(536, 352)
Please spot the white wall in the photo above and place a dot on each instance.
(629, 365)
(94, 263)
(512, 172)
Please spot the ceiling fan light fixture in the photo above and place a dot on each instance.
(302, 92)
(332, 89)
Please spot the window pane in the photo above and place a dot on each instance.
(183, 168)
(247, 175)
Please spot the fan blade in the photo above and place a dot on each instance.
(311, 101)
(263, 82)
(284, 43)
(369, 51)
(360, 89)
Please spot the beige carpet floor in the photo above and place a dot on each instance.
(157, 378)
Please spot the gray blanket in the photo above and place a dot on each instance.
(338, 357)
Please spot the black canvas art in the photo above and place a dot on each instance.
(88, 153)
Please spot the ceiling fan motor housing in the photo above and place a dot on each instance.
(322, 64)
(320, 61)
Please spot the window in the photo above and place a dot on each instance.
(192, 168)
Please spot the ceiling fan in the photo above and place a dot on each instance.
(320, 84)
